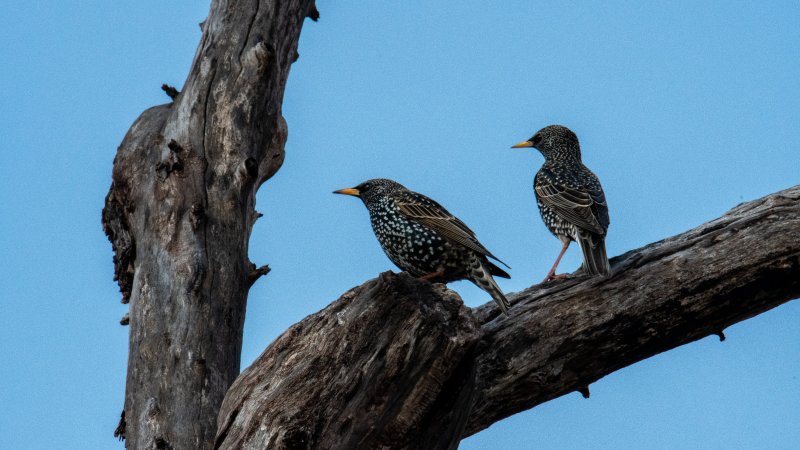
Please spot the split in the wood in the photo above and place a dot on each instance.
(251, 167)
(170, 90)
(198, 215)
(198, 277)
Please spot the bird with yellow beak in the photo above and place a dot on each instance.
(421, 237)
(570, 198)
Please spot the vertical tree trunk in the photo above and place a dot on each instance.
(179, 215)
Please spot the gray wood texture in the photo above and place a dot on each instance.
(379, 368)
(179, 215)
(399, 363)
(561, 337)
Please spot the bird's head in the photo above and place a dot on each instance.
(554, 141)
(372, 190)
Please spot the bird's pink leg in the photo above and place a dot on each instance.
(433, 275)
(552, 274)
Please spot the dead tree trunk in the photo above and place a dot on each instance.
(179, 215)
(398, 363)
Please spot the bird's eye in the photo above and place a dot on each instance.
(536, 139)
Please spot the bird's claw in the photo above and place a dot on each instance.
(553, 276)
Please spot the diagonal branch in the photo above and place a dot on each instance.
(563, 336)
(559, 338)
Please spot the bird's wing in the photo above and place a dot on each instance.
(431, 214)
(585, 207)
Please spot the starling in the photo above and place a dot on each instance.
(570, 198)
(425, 240)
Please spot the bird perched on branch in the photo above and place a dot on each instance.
(425, 240)
(570, 198)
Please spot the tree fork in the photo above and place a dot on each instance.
(179, 216)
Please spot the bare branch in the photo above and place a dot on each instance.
(355, 369)
(170, 91)
(561, 337)
(256, 273)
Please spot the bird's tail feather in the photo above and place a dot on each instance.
(481, 275)
(595, 260)
(497, 271)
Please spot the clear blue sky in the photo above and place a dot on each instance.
(683, 109)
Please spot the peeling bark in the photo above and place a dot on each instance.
(375, 358)
(179, 215)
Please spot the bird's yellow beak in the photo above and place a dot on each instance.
(522, 144)
(349, 191)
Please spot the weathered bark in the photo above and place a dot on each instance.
(342, 379)
(372, 368)
(179, 215)
(564, 336)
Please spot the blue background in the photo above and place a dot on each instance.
(684, 109)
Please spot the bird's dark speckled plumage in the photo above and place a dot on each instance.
(424, 239)
(570, 198)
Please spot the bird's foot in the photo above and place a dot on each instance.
(553, 276)
(432, 276)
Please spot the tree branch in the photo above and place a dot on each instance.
(563, 336)
(376, 358)
(389, 350)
